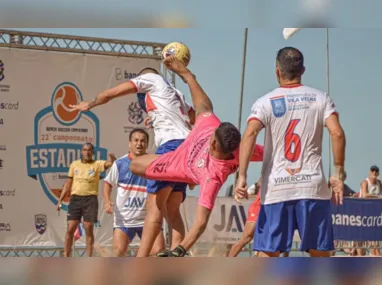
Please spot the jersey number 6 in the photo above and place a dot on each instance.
(292, 139)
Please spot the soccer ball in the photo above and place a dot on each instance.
(181, 51)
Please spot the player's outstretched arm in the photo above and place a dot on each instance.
(247, 147)
(200, 100)
(122, 89)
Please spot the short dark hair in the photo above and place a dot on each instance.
(148, 70)
(89, 145)
(290, 62)
(139, 130)
(228, 137)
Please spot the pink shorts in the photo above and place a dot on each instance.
(169, 167)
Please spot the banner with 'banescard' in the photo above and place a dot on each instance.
(40, 136)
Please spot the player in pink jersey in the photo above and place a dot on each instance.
(171, 117)
(294, 193)
(206, 158)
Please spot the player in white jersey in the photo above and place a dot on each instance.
(130, 210)
(171, 118)
(294, 193)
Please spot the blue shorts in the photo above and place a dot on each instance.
(154, 186)
(277, 223)
(131, 232)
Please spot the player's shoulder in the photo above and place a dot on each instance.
(76, 162)
(152, 77)
(313, 90)
(122, 160)
(123, 157)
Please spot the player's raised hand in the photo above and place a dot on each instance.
(112, 157)
(82, 106)
(241, 188)
(174, 64)
(338, 190)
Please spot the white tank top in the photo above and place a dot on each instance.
(373, 189)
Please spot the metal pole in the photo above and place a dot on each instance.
(242, 87)
(242, 77)
(328, 91)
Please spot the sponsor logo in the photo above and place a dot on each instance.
(40, 221)
(278, 106)
(293, 171)
(357, 220)
(5, 227)
(124, 74)
(136, 202)
(59, 134)
(3, 147)
(7, 193)
(11, 106)
(135, 116)
(197, 147)
(57, 176)
(161, 167)
(3, 87)
(200, 163)
(135, 113)
(232, 220)
(293, 179)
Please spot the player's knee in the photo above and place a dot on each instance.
(88, 227)
(119, 251)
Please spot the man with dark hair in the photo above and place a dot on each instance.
(291, 63)
(172, 118)
(294, 194)
(131, 202)
(82, 184)
(148, 70)
(206, 158)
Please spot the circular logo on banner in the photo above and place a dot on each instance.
(64, 95)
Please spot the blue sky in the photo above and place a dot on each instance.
(355, 61)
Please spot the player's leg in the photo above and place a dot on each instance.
(159, 244)
(174, 218)
(90, 216)
(249, 231)
(156, 207)
(73, 220)
(139, 164)
(275, 229)
(314, 223)
(121, 240)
